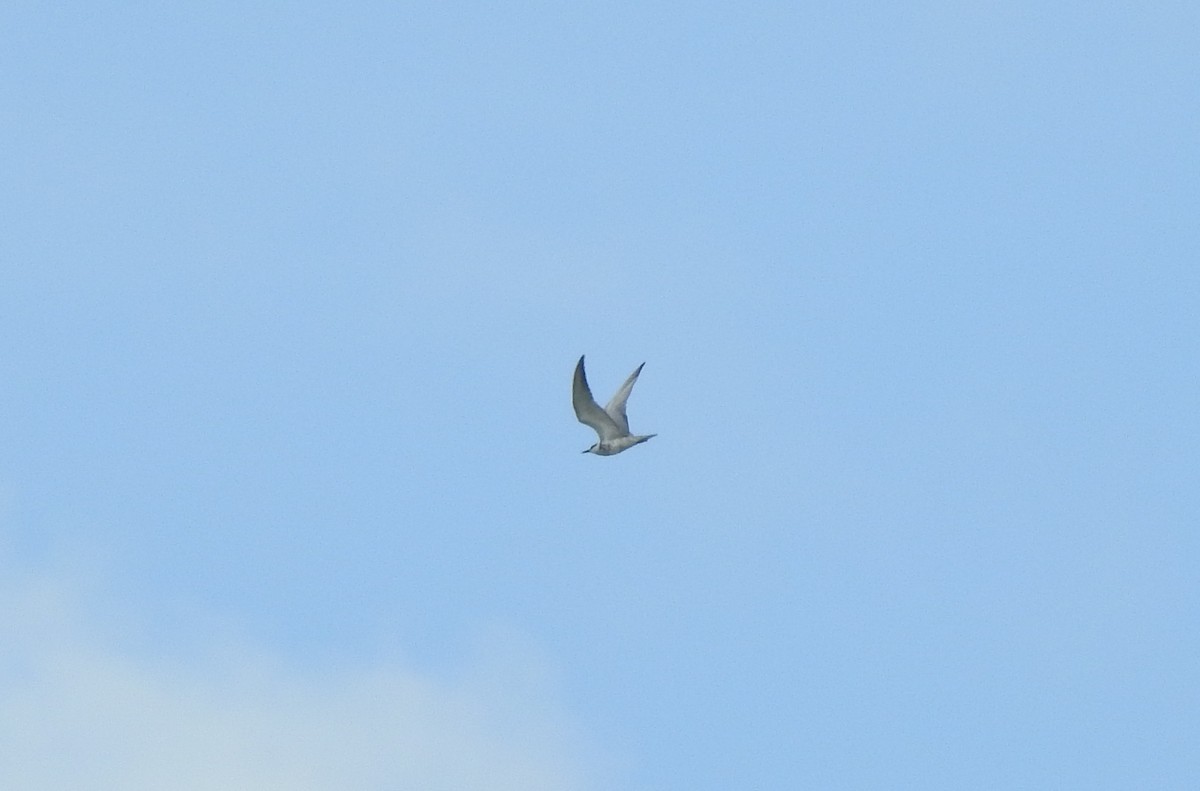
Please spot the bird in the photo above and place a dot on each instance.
(610, 423)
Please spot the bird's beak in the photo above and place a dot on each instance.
(589, 450)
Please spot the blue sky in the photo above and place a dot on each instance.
(291, 493)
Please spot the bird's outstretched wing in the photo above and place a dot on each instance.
(616, 407)
(588, 411)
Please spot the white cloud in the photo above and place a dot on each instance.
(78, 710)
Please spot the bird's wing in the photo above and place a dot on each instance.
(616, 407)
(588, 411)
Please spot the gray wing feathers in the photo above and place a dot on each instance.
(616, 407)
(590, 413)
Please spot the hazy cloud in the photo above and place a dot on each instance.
(79, 710)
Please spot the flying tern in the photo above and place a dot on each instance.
(610, 423)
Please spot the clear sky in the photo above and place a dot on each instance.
(291, 492)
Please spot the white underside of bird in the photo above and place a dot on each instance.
(610, 423)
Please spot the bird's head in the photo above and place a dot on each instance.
(593, 449)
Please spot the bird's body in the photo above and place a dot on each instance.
(610, 423)
(614, 446)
